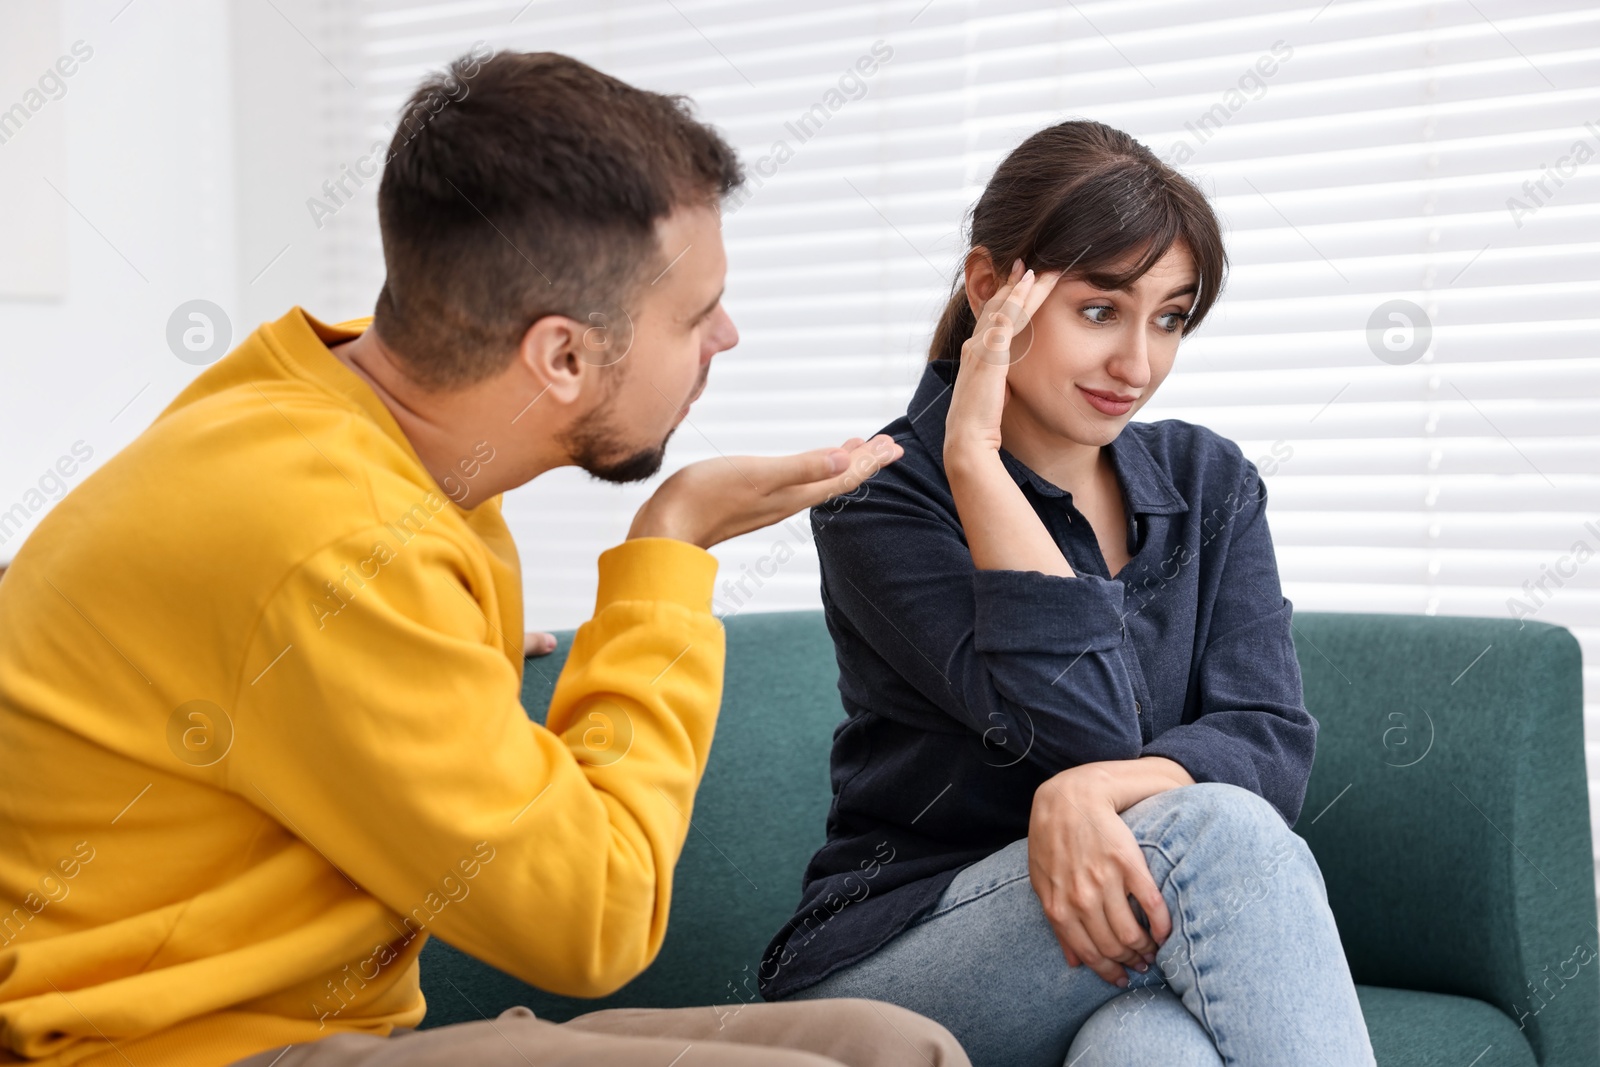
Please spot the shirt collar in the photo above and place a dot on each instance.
(1146, 486)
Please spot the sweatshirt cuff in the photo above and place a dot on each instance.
(1027, 611)
(657, 568)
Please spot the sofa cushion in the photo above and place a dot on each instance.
(1412, 1029)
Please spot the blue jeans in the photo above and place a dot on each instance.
(1253, 972)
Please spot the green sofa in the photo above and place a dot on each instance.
(1447, 810)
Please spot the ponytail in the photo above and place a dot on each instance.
(955, 326)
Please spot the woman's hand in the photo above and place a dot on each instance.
(1001, 527)
(1083, 863)
(978, 400)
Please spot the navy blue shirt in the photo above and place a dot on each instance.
(965, 689)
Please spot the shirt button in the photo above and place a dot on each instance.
(1137, 709)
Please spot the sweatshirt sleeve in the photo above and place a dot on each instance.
(391, 738)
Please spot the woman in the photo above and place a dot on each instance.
(1076, 739)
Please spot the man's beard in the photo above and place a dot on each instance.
(596, 446)
(599, 450)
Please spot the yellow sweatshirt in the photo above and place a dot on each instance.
(262, 737)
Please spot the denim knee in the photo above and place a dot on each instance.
(1235, 810)
(1227, 830)
(1149, 1025)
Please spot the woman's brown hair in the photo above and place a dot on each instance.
(1084, 198)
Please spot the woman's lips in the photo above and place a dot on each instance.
(1108, 403)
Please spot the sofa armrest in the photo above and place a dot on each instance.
(1448, 809)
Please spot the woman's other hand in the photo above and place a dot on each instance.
(1084, 864)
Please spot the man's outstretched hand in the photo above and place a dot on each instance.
(716, 499)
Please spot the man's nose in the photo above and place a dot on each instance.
(723, 336)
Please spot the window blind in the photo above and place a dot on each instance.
(1407, 339)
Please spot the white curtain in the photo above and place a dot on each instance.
(1406, 342)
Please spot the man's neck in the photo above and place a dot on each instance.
(445, 427)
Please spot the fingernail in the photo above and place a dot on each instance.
(1016, 267)
(1149, 957)
(1027, 274)
(1122, 982)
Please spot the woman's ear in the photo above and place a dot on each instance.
(982, 279)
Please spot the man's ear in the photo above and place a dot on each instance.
(551, 349)
(982, 279)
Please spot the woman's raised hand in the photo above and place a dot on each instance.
(1002, 529)
(979, 397)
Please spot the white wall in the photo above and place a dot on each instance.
(294, 95)
(148, 171)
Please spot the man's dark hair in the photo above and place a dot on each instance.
(526, 185)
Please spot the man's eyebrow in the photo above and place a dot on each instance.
(709, 308)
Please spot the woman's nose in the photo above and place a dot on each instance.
(1131, 362)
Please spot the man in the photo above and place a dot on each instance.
(260, 673)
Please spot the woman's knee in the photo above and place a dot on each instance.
(1234, 845)
(1149, 1025)
(1216, 814)
(1231, 801)
(1222, 829)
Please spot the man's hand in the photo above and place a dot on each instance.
(1084, 863)
(715, 499)
(535, 643)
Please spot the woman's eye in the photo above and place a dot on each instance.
(1100, 313)
(1173, 320)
